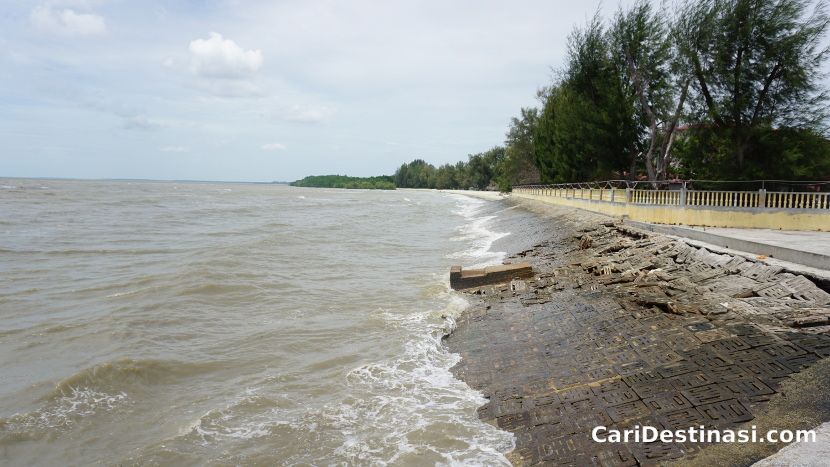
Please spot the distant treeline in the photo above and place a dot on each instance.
(480, 172)
(383, 182)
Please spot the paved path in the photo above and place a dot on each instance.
(808, 249)
(803, 454)
(813, 242)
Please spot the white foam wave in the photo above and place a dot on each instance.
(63, 412)
(415, 403)
(477, 234)
(249, 416)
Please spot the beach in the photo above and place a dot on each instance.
(623, 328)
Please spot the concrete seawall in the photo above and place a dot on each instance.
(758, 218)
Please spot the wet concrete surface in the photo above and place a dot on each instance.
(623, 328)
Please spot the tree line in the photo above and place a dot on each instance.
(383, 182)
(709, 89)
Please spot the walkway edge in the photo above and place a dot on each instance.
(806, 258)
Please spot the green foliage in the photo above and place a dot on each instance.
(383, 182)
(477, 173)
(643, 51)
(519, 163)
(779, 154)
(755, 65)
(742, 74)
(588, 128)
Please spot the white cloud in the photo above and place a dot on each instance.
(273, 147)
(175, 149)
(308, 113)
(67, 22)
(217, 57)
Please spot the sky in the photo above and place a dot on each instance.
(244, 90)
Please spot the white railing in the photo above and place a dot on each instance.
(760, 199)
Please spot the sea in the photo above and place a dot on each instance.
(181, 323)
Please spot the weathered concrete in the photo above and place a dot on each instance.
(803, 454)
(811, 242)
(465, 279)
(621, 327)
(807, 248)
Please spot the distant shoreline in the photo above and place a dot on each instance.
(148, 180)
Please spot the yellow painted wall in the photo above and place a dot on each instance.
(722, 217)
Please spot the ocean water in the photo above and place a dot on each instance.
(147, 323)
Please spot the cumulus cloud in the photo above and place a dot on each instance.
(67, 22)
(217, 57)
(175, 149)
(273, 147)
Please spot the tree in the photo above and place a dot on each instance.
(642, 46)
(416, 174)
(481, 168)
(755, 64)
(519, 164)
(587, 128)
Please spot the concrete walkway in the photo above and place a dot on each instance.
(813, 242)
(808, 249)
(803, 454)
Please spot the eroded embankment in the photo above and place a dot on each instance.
(623, 328)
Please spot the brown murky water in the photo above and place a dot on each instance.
(193, 324)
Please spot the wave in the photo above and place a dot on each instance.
(208, 288)
(95, 390)
(127, 373)
(59, 414)
(409, 398)
(402, 409)
(248, 417)
(476, 232)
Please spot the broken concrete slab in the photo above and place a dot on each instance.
(470, 278)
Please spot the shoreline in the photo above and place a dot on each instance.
(488, 195)
(574, 347)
